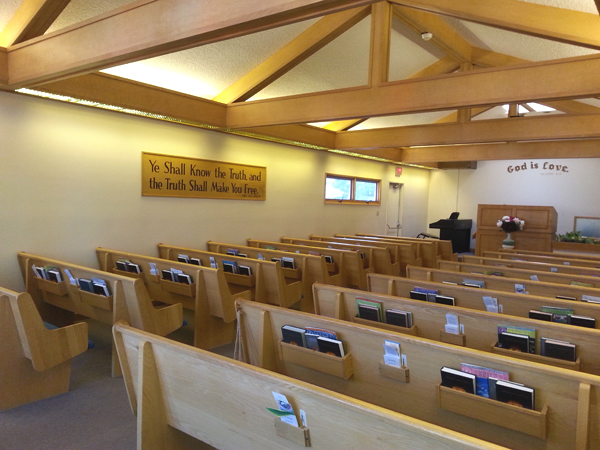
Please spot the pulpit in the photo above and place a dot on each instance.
(537, 235)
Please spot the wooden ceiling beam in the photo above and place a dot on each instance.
(444, 36)
(111, 90)
(149, 28)
(589, 148)
(558, 24)
(559, 126)
(293, 53)
(540, 81)
(488, 58)
(32, 19)
(379, 54)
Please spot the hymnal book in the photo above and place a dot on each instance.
(54, 275)
(579, 283)
(565, 297)
(493, 273)
(245, 270)
(183, 258)
(269, 247)
(312, 341)
(369, 313)
(370, 304)
(328, 259)
(540, 315)
(418, 295)
(529, 332)
(514, 342)
(515, 394)
(288, 263)
(483, 374)
(431, 293)
(450, 282)
(331, 346)
(100, 289)
(39, 272)
(242, 255)
(398, 318)
(184, 278)
(553, 348)
(321, 332)
(559, 315)
(293, 335)
(473, 283)
(195, 261)
(121, 264)
(458, 380)
(175, 274)
(579, 321)
(167, 275)
(232, 251)
(134, 268)
(276, 260)
(590, 299)
(444, 300)
(87, 285)
(230, 266)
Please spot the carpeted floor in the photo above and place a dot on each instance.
(94, 414)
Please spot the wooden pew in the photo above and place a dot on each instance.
(187, 398)
(540, 288)
(559, 259)
(309, 268)
(559, 254)
(267, 282)
(348, 264)
(531, 265)
(567, 402)
(386, 258)
(375, 258)
(523, 274)
(128, 300)
(209, 296)
(442, 248)
(480, 326)
(35, 362)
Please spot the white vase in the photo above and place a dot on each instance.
(508, 242)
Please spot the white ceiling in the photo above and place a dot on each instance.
(206, 71)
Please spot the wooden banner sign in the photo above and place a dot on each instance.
(178, 176)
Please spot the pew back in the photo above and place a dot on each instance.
(480, 327)
(572, 399)
(531, 265)
(347, 263)
(128, 300)
(310, 268)
(386, 258)
(182, 394)
(208, 296)
(267, 282)
(35, 362)
(540, 288)
(523, 274)
(549, 258)
(430, 250)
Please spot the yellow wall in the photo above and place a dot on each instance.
(70, 181)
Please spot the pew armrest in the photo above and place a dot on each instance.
(168, 319)
(46, 348)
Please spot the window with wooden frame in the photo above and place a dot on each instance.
(353, 190)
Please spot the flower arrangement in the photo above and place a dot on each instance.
(509, 224)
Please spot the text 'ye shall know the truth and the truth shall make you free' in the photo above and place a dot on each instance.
(178, 176)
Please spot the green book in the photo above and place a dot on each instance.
(370, 309)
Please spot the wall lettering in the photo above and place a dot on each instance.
(548, 168)
(179, 176)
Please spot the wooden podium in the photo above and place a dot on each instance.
(538, 233)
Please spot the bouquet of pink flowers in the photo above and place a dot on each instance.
(510, 224)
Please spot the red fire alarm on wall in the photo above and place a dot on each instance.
(398, 171)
